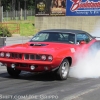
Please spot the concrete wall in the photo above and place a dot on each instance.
(82, 23)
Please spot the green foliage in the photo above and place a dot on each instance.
(4, 32)
(8, 4)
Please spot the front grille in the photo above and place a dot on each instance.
(16, 56)
(32, 57)
(22, 56)
(26, 56)
(38, 57)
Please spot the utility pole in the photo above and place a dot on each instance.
(0, 12)
(13, 8)
(25, 17)
(19, 10)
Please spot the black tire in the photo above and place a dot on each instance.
(13, 72)
(63, 71)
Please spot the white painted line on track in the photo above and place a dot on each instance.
(77, 95)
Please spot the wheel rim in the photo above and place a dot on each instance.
(65, 69)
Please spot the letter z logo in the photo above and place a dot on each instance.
(75, 5)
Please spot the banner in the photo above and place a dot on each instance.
(50, 7)
(83, 8)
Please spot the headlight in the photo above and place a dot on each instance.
(50, 58)
(7, 55)
(32, 67)
(43, 57)
(2, 54)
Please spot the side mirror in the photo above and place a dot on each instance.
(82, 42)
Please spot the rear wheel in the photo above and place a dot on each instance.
(63, 70)
(13, 72)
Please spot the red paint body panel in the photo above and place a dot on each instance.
(58, 51)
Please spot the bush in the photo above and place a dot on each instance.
(4, 32)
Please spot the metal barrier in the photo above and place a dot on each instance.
(2, 41)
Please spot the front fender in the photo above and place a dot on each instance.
(64, 54)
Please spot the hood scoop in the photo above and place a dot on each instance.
(38, 44)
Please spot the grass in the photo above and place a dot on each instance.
(27, 27)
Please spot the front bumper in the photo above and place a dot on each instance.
(25, 65)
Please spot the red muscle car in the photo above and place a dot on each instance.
(51, 50)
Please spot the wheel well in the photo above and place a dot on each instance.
(69, 59)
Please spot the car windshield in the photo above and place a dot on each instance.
(54, 37)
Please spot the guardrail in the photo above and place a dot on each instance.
(2, 41)
(5, 41)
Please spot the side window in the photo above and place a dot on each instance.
(82, 37)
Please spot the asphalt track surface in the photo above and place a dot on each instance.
(30, 86)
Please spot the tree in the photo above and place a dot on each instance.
(0, 2)
(7, 4)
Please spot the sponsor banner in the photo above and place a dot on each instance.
(83, 8)
(50, 7)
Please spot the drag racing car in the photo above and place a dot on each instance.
(53, 50)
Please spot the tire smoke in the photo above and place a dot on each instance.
(89, 66)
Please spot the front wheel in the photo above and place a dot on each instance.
(13, 72)
(63, 70)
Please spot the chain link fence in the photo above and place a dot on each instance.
(18, 15)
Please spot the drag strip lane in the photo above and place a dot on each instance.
(30, 84)
(41, 84)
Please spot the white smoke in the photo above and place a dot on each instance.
(89, 66)
(96, 31)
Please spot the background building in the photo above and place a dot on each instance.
(75, 14)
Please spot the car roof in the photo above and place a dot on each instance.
(64, 30)
(73, 31)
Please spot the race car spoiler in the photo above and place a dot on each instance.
(96, 37)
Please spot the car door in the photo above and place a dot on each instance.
(82, 47)
(83, 37)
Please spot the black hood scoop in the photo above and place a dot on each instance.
(38, 44)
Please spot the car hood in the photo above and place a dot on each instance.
(37, 47)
